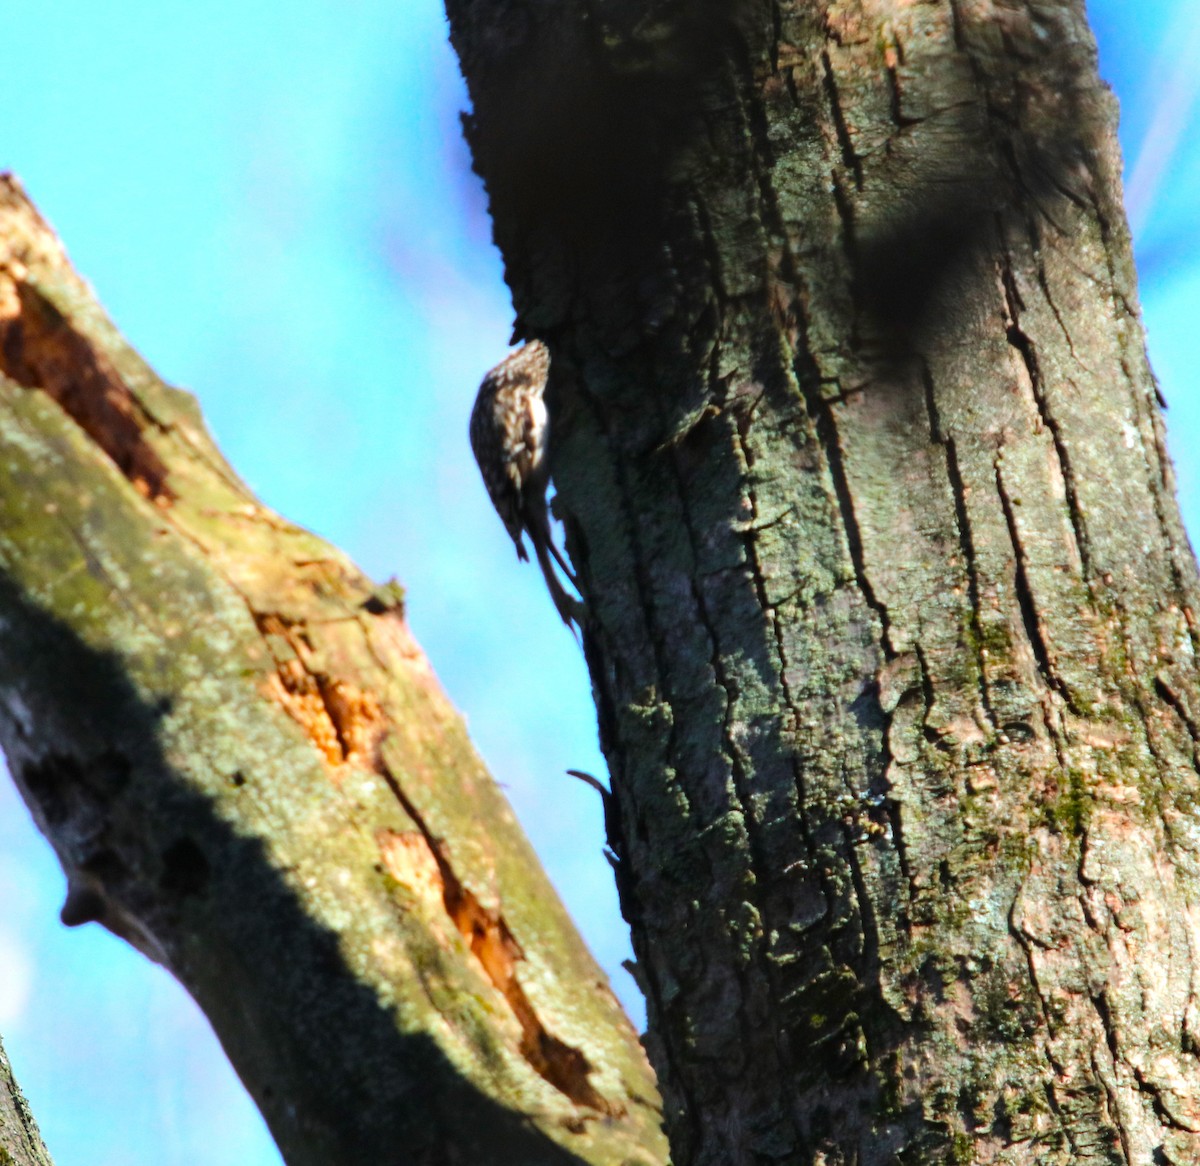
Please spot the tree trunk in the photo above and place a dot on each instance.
(891, 615)
(249, 772)
(20, 1142)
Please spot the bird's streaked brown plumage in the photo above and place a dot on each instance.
(510, 432)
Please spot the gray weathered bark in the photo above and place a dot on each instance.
(892, 618)
(247, 770)
(20, 1142)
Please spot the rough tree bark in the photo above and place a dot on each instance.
(892, 628)
(249, 772)
(20, 1142)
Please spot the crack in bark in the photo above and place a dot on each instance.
(712, 255)
(893, 57)
(1044, 283)
(490, 940)
(966, 539)
(1161, 760)
(826, 429)
(776, 34)
(1175, 702)
(1026, 349)
(893, 811)
(1143, 1083)
(850, 158)
(1025, 598)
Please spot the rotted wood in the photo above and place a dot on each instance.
(249, 772)
(891, 613)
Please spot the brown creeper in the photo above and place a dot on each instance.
(510, 432)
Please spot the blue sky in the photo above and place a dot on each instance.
(274, 203)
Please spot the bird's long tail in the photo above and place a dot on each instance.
(569, 608)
